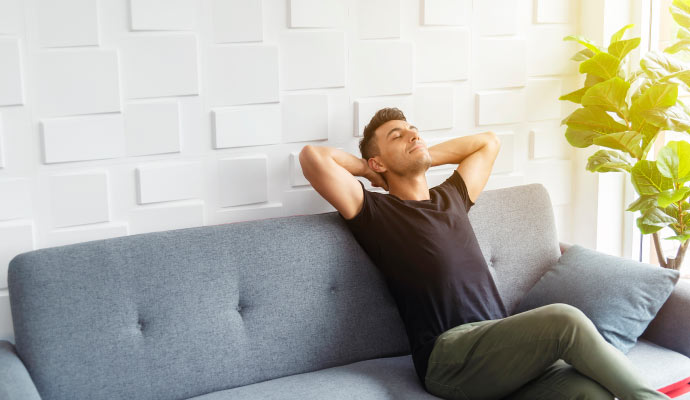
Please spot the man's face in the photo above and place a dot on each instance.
(401, 150)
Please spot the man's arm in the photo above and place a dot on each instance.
(475, 155)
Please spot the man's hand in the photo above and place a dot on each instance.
(376, 179)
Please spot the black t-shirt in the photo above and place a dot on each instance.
(432, 262)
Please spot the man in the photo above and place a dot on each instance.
(464, 343)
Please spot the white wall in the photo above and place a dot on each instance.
(120, 118)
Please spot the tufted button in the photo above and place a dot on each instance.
(140, 324)
(238, 308)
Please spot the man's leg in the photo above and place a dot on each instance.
(492, 359)
(561, 381)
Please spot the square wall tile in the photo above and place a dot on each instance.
(67, 23)
(506, 157)
(16, 237)
(312, 60)
(378, 19)
(548, 54)
(500, 106)
(365, 109)
(305, 117)
(500, 63)
(164, 217)
(442, 55)
(542, 99)
(160, 65)
(446, 12)
(317, 13)
(152, 128)
(252, 125)
(497, 17)
(237, 21)
(78, 199)
(75, 81)
(163, 14)
(65, 236)
(243, 180)
(83, 138)
(11, 85)
(380, 68)
(296, 175)
(242, 74)
(553, 11)
(11, 17)
(169, 181)
(433, 107)
(15, 201)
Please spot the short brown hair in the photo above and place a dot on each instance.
(368, 146)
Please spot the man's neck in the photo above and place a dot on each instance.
(409, 187)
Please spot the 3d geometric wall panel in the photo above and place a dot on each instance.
(366, 108)
(160, 65)
(542, 98)
(504, 161)
(16, 237)
(312, 60)
(378, 19)
(11, 17)
(79, 198)
(92, 137)
(254, 80)
(75, 81)
(163, 217)
(305, 117)
(15, 200)
(547, 53)
(2, 153)
(446, 12)
(381, 67)
(67, 23)
(152, 128)
(251, 125)
(450, 45)
(11, 85)
(163, 14)
(553, 11)
(243, 180)
(497, 17)
(237, 21)
(296, 175)
(317, 13)
(433, 107)
(500, 63)
(500, 106)
(169, 181)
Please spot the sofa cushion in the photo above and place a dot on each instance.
(619, 295)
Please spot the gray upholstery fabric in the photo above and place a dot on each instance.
(187, 312)
(15, 382)
(620, 296)
(671, 325)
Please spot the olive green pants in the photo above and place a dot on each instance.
(552, 352)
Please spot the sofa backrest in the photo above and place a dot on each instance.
(175, 314)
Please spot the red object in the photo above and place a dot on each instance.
(676, 389)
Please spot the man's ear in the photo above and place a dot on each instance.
(375, 165)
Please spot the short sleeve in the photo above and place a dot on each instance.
(365, 214)
(458, 183)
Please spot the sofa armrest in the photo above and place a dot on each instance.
(15, 381)
(671, 325)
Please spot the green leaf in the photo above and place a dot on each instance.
(683, 33)
(619, 34)
(622, 48)
(672, 196)
(681, 45)
(682, 237)
(592, 119)
(643, 202)
(647, 179)
(680, 13)
(657, 96)
(575, 97)
(603, 65)
(582, 55)
(671, 118)
(628, 141)
(608, 161)
(657, 65)
(609, 95)
(583, 41)
(653, 220)
(673, 160)
(580, 138)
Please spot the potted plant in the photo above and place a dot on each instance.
(625, 111)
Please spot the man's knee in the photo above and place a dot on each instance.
(567, 314)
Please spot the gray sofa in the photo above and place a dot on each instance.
(282, 308)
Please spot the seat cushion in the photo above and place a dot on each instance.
(394, 378)
(381, 378)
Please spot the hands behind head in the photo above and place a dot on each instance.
(376, 179)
